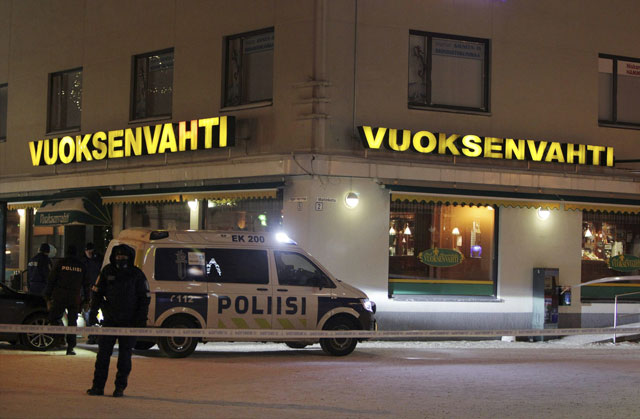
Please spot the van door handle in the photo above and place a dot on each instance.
(283, 289)
(263, 289)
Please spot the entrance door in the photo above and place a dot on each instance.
(299, 284)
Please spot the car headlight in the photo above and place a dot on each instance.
(368, 305)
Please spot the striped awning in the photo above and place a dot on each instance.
(473, 201)
(23, 205)
(232, 194)
(616, 209)
(268, 193)
(141, 198)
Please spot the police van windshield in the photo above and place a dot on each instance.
(295, 269)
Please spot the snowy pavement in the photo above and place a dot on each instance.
(483, 379)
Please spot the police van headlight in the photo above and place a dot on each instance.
(368, 305)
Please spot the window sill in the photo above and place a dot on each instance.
(618, 125)
(150, 119)
(449, 110)
(64, 131)
(254, 105)
(447, 298)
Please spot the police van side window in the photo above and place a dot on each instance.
(240, 266)
(295, 269)
(180, 264)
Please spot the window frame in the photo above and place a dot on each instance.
(225, 70)
(5, 110)
(50, 101)
(614, 123)
(495, 243)
(134, 85)
(485, 109)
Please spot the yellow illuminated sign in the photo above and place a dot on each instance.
(197, 134)
(426, 142)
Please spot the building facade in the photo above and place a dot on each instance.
(492, 144)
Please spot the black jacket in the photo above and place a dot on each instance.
(122, 294)
(93, 265)
(68, 282)
(38, 271)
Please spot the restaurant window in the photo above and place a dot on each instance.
(152, 94)
(249, 68)
(65, 100)
(610, 248)
(4, 92)
(160, 215)
(447, 71)
(243, 214)
(12, 244)
(439, 249)
(619, 91)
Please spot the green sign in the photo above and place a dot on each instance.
(624, 263)
(441, 257)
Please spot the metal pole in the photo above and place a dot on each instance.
(615, 318)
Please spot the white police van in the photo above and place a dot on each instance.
(241, 280)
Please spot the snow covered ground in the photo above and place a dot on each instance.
(452, 379)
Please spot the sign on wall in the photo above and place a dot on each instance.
(426, 142)
(197, 134)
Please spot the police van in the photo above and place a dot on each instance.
(241, 280)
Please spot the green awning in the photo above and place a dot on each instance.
(61, 210)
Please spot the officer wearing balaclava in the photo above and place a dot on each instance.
(122, 293)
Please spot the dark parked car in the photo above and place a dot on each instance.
(22, 308)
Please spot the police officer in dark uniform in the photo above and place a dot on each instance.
(122, 292)
(93, 264)
(67, 286)
(38, 270)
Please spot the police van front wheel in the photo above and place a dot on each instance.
(178, 346)
(339, 346)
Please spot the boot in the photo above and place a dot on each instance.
(118, 392)
(95, 391)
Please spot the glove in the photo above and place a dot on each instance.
(93, 319)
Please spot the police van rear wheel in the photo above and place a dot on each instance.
(178, 346)
(339, 346)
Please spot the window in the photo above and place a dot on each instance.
(610, 247)
(450, 72)
(180, 264)
(438, 249)
(619, 91)
(152, 85)
(249, 68)
(163, 216)
(243, 214)
(237, 266)
(295, 269)
(4, 91)
(12, 250)
(65, 100)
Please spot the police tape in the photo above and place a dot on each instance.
(288, 334)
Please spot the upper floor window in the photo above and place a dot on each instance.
(619, 90)
(4, 90)
(65, 100)
(449, 72)
(249, 68)
(152, 94)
